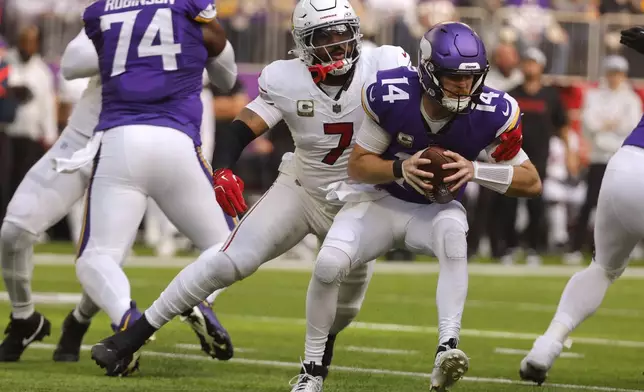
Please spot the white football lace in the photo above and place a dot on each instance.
(301, 382)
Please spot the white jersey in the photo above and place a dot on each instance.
(323, 129)
(84, 117)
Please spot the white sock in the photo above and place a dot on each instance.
(321, 303)
(105, 282)
(450, 246)
(17, 249)
(582, 296)
(212, 271)
(85, 310)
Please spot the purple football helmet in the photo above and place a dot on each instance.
(452, 48)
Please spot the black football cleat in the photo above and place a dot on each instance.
(215, 340)
(20, 333)
(69, 345)
(119, 353)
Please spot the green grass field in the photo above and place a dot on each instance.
(391, 348)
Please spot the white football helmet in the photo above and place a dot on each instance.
(312, 15)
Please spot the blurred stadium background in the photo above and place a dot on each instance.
(392, 344)
(576, 36)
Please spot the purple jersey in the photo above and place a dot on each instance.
(636, 138)
(151, 59)
(394, 102)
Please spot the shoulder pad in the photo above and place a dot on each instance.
(279, 76)
(500, 111)
(392, 57)
(202, 11)
(388, 89)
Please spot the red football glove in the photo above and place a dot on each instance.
(510, 145)
(229, 191)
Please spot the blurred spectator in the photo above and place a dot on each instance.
(427, 13)
(8, 108)
(561, 192)
(34, 127)
(504, 72)
(610, 113)
(543, 116)
(530, 24)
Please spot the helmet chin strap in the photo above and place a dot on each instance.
(320, 71)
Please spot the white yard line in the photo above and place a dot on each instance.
(434, 330)
(50, 298)
(71, 298)
(296, 365)
(396, 268)
(376, 350)
(514, 351)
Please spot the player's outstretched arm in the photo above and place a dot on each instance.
(79, 59)
(229, 144)
(232, 140)
(221, 66)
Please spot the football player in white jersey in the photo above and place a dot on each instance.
(318, 95)
(42, 199)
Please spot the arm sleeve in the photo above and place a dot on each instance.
(222, 70)
(264, 105)
(79, 59)
(373, 138)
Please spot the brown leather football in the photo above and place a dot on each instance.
(441, 193)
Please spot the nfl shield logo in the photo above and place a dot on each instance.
(337, 108)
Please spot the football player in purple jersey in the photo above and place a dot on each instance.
(443, 102)
(151, 59)
(619, 226)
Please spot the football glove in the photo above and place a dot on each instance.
(229, 192)
(633, 38)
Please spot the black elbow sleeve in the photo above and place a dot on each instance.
(230, 142)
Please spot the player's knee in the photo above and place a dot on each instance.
(332, 265)
(611, 273)
(450, 239)
(223, 268)
(13, 237)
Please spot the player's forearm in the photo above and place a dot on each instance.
(231, 141)
(371, 169)
(525, 181)
(520, 180)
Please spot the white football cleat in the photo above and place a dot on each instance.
(539, 360)
(310, 379)
(449, 367)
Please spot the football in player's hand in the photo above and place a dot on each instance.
(440, 194)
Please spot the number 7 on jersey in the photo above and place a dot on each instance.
(345, 130)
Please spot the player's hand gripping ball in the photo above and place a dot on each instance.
(441, 192)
